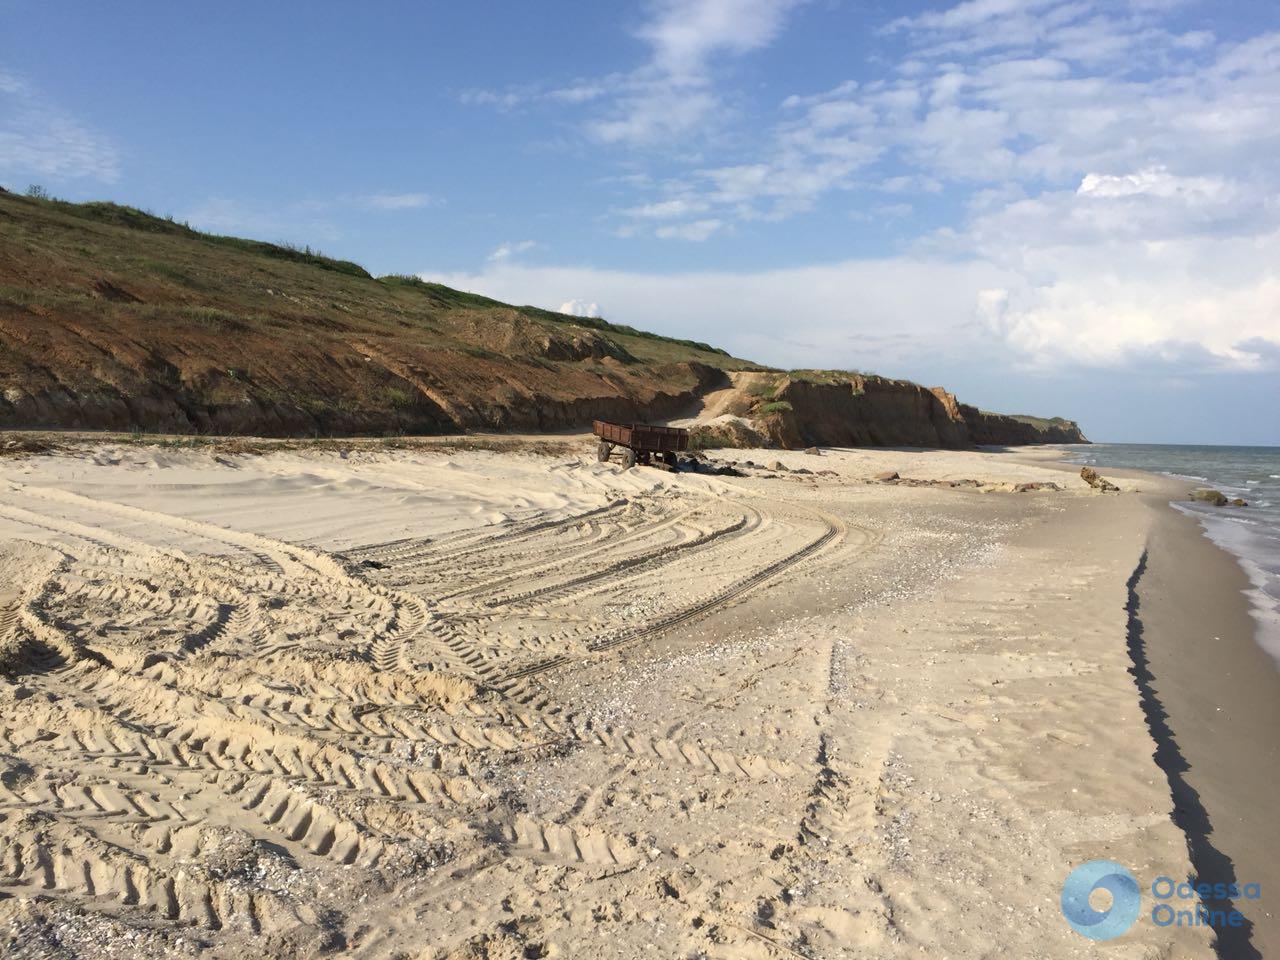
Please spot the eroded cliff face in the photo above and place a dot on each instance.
(879, 412)
(222, 403)
(1001, 429)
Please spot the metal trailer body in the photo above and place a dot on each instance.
(641, 442)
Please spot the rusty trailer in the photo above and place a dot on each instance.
(641, 442)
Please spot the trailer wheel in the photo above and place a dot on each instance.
(628, 459)
(603, 450)
(672, 461)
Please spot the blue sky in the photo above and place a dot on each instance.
(1050, 206)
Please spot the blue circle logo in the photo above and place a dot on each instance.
(1126, 899)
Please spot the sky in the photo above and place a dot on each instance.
(1058, 207)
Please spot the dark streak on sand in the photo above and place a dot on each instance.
(1211, 864)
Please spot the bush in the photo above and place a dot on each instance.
(399, 398)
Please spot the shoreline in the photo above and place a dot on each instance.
(1247, 535)
(1218, 692)
(1211, 693)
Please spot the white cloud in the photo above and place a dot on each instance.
(1215, 302)
(665, 209)
(973, 13)
(1163, 302)
(672, 94)
(502, 99)
(238, 218)
(685, 34)
(670, 97)
(658, 112)
(581, 308)
(505, 251)
(695, 230)
(37, 139)
(1118, 203)
(868, 314)
(399, 201)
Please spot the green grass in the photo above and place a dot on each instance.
(777, 406)
(763, 390)
(212, 318)
(1043, 423)
(826, 376)
(166, 270)
(1040, 423)
(399, 398)
(132, 218)
(447, 296)
(650, 347)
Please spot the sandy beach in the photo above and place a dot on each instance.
(468, 703)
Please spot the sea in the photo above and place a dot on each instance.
(1252, 533)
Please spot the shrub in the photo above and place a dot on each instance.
(399, 398)
(765, 391)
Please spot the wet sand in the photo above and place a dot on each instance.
(1219, 693)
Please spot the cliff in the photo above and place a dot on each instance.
(112, 318)
(850, 410)
(1018, 429)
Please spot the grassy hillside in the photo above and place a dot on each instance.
(112, 317)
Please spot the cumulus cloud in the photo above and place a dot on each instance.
(1108, 278)
(1154, 182)
(1057, 281)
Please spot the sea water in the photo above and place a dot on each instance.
(1251, 533)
